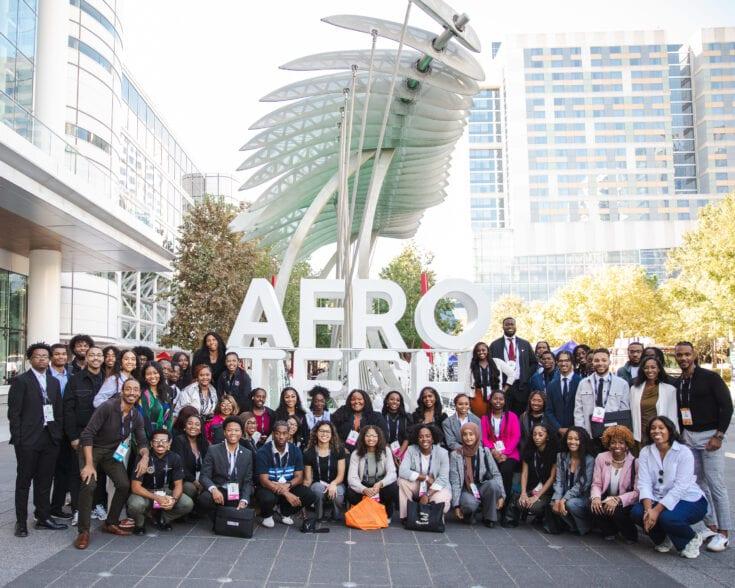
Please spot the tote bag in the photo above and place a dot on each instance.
(367, 515)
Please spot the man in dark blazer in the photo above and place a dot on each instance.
(35, 413)
(519, 354)
(561, 393)
(236, 382)
(227, 471)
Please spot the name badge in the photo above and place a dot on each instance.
(686, 416)
(500, 446)
(511, 364)
(395, 447)
(255, 437)
(537, 489)
(376, 498)
(352, 438)
(121, 452)
(156, 504)
(233, 491)
(282, 480)
(196, 475)
(475, 491)
(48, 414)
(598, 414)
(422, 488)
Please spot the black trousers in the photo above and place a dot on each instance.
(619, 522)
(388, 497)
(517, 397)
(268, 500)
(35, 464)
(67, 464)
(208, 506)
(507, 469)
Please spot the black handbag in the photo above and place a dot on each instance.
(231, 522)
(619, 417)
(425, 517)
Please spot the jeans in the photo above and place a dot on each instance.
(102, 460)
(676, 523)
(578, 517)
(139, 507)
(709, 466)
(321, 498)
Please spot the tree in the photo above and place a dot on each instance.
(405, 270)
(529, 318)
(212, 271)
(702, 288)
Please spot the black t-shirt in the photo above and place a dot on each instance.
(324, 469)
(162, 472)
(539, 468)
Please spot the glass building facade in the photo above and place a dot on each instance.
(18, 23)
(13, 303)
(608, 156)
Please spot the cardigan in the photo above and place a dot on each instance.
(451, 428)
(487, 470)
(510, 434)
(357, 469)
(627, 490)
(439, 466)
(665, 406)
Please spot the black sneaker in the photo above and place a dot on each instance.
(61, 514)
(162, 525)
(139, 530)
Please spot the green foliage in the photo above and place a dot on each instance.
(212, 271)
(405, 270)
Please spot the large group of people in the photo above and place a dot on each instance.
(554, 440)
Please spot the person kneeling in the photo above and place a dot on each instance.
(227, 472)
(475, 479)
(160, 489)
(279, 466)
(424, 471)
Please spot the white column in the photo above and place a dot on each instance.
(49, 92)
(44, 296)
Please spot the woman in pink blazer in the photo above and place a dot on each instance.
(614, 492)
(501, 434)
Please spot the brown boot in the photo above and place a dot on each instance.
(82, 540)
(114, 530)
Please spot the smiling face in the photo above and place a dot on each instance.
(293, 427)
(324, 434)
(509, 327)
(684, 357)
(80, 349)
(580, 356)
(289, 399)
(110, 358)
(371, 438)
(617, 447)
(128, 362)
(357, 402)
(547, 361)
(183, 361)
(650, 369)
(393, 402)
(259, 399)
(152, 377)
(497, 402)
(573, 441)
(659, 433)
(251, 425)
(462, 406)
(318, 403)
(160, 444)
(481, 351)
(427, 397)
(193, 426)
(565, 364)
(211, 342)
(231, 363)
(601, 363)
(204, 377)
(536, 402)
(468, 437)
(226, 408)
(94, 358)
(233, 433)
(130, 391)
(425, 439)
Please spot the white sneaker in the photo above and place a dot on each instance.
(99, 512)
(269, 522)
(691, 551)
(718, 543)
(287, 520)
(707, 533)
(75, 518)
(665, 546)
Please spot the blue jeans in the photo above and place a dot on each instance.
(677, 523)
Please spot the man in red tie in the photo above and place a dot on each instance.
(519, 356)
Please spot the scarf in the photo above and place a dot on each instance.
(468, 452)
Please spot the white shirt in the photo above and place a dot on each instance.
(517, 366)
(111, 386)
(463, 421)
(678, 481)
(612, 489)
(41, 377)
(425, 459)
(496, 424)
(607, 379)
(634, 371)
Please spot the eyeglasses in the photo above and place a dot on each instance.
(159, 442)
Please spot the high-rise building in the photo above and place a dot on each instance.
(92, 182)
(593, 149)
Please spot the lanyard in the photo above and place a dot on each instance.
(421, 463)
(476, 465)
(123, 434)
(356, 421)
(393, 435)
(166, 469)
(319, 467)
(685, 399)
(232, 459)
(206, 408)
(484, 376)
(538, 467)
(500, 426)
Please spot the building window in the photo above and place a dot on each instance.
(13, 303)
(74, 131)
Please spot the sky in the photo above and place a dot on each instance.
(205, 65)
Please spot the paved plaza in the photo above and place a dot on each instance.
(464, 556)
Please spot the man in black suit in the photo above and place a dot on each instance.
(519, 355)
(227, 471)
(35, 413)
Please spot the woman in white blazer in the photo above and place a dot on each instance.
(200, 394)
(651, 396)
